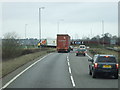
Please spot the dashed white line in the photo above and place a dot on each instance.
(73, 82)
(22, 73)
(70, 70)
(67, 57)
(68, 64)
(71, 76)
(68, 60)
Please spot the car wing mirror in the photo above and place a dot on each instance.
(90, 60)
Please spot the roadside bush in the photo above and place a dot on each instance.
(10, 49)
(28, 51)
(10, 46)
(95, 51)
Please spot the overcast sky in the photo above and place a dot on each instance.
(78, 19)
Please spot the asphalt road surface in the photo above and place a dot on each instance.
(79, 66)
(53, 72)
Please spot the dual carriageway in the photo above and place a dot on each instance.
(59, 70)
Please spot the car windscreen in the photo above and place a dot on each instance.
(107, 59)
(81, 50)
(82, 47)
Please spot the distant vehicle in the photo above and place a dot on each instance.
(80, 52)
(39, 44)
(103, 65)
(82, 47)
(75, 47)
(87, 47)
(63, 43)
(71, 48)
(51, 42)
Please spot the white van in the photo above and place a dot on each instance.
(82, 47)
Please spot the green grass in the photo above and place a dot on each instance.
(11, 65)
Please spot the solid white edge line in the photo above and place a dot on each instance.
(72, 80)
(8, 83)
(88, 56)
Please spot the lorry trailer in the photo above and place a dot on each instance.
(63, 43)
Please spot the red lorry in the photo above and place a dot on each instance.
(63, 43)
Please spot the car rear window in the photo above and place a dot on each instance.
(107, 59)
(81, 49)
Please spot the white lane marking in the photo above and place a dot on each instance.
(88, 56)
(71, 76)
(8, 83)
(119, 75)
(73, 82)
(70, 70)
(68, 60)
(67, 57)
(68, 64)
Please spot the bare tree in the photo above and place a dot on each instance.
(10, 46)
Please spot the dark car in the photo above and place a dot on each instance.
(80, 52)
(103, 65)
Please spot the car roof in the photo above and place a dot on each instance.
(82, 45)
(104, 55)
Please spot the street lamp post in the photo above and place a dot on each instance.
(25, 35)
(40, 22)
(25, 29)
(91, 33)
(103, 31)
(58, 24)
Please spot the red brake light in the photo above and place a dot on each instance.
(117, 66)
(106, 56)
(95, 65)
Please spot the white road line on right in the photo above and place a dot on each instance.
(88, 56)
(119, 75)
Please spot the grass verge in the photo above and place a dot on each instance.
(94, 51)
(13, 64)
